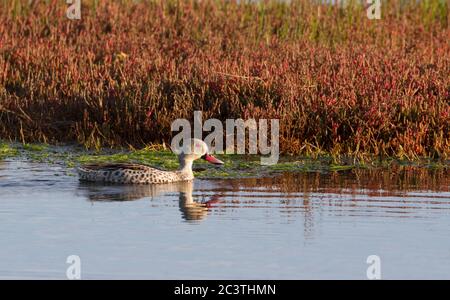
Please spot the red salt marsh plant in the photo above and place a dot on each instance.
(340, 84)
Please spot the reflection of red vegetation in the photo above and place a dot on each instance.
(381, 193)
(214, 199)
(375, 182)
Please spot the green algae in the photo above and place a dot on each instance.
(35, 147)
(7, 151)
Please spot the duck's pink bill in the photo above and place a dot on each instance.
(213, 160)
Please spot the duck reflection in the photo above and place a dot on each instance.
(190, 209)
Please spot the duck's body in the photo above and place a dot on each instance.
(131, 173)
(127, 173)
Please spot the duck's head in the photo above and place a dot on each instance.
(198, 149)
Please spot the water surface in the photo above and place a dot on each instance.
(290, 226)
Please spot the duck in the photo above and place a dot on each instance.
(132, 173)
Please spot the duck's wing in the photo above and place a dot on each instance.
(114, 166)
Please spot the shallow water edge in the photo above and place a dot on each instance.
(236, 166)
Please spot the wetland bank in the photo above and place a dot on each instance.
(340, 83)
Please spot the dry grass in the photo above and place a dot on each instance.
(340, 83)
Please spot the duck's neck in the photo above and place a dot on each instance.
(185, 165)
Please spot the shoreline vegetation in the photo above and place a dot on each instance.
(236, 166)
(346, 89)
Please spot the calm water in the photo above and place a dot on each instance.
(293, 226)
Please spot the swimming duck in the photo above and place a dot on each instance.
(143, 174)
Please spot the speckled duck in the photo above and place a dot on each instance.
(129, 173)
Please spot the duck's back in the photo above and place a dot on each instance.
(127, 173)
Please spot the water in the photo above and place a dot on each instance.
(292, 226)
